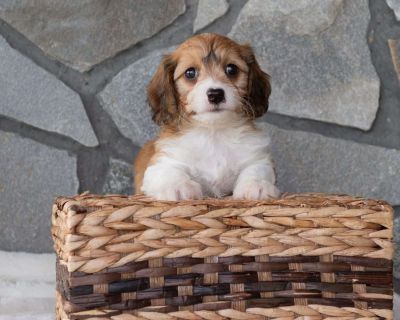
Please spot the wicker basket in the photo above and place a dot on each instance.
(306, 256)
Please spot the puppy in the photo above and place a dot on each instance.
(205, 96)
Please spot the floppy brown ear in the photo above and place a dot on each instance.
(161, 92)
(258, 86)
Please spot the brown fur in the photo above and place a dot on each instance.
(161, 92)
(141, 163)
(168, 88)
(148, 155)
(259, 87)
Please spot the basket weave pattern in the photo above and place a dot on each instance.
(300, 257)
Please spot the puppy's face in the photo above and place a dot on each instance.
(208, 79)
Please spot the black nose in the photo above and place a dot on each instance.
(215, 96)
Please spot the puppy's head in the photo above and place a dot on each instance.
(209, 78)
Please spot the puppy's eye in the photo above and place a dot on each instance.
(191, 73)
(231, 70)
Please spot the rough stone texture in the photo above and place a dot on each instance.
(208, 11)
(119, 179)
(32, 95)
(307, 162)
(317, 55)
(125, 98)
(395, 6)
(32, 175)
(84, 33)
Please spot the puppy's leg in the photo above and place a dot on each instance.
(163, 181)
(256, 181)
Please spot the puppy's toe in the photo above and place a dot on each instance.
(177, 190)
(256, 190)
(269, 191)
(188, 190)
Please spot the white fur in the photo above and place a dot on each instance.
(214, 161)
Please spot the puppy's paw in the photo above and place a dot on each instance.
(186, 190)
(255, 190)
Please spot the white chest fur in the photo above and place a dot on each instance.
(214, 157)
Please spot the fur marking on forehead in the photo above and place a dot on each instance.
(211, 56)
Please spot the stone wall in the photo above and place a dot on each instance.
(73, 110)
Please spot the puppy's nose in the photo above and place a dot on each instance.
(215, 96)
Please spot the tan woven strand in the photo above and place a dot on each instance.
(235, 268)
(125, 296)
(239, 305)
(100, 288)
(297, 267)
(359, 288)
(210, 278)
(327, 277)
(156, 282)
(264, 276)
(128, 275)
(184, 290)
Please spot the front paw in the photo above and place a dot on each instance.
(255, 190)
(185, 190)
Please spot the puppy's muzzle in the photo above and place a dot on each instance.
(215, 96)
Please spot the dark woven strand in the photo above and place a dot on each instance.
(282, 284)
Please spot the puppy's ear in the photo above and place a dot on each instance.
(258, 86)
(162, 94)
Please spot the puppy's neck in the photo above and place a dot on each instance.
(241, 124)
(219, 121)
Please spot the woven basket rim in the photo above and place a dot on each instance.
(287, 199)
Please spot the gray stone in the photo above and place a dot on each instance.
(32, 175)
(32, 95)
(125, 98)
(208, 11)
(119, 178)
(308, 162)
(395, 6)
(84, 33)
(317, 55)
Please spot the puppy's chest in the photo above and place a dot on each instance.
(215, 160)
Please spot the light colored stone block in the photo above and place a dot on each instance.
(309, 162)
(125, 98)
(317, 55)
(32, 95)
(395, 6)
(84, 33)
(208, 11)
(32, 175)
